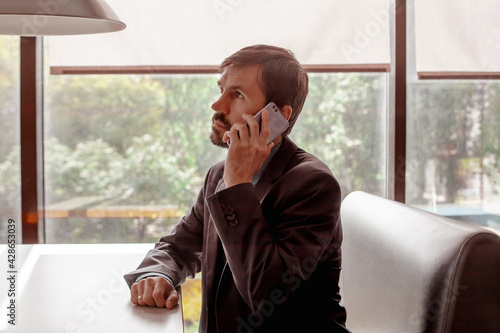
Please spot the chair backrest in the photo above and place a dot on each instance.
(407, 270)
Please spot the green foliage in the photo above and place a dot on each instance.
(9, 96)
(157, 177)
(10, 184)
(165, 156)
(93, 168)
(490, 135)
(145, 143)
(113, 108)
(343, 123)
(451, 123)
(10, 180)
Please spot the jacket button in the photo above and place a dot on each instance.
(233, 223)
(229, 210)
(231, 217)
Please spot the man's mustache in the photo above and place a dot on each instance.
(221, 118)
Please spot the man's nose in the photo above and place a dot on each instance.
(220, 105)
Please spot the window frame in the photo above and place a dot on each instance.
(32, 196)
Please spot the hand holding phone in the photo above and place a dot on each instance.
(277, 121)
(243, 161)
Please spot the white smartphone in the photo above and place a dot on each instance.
(277, 121)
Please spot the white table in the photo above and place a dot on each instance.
(78, 288)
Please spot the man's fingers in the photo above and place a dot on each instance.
(134, 293)
(154, 291)
(139, 290)
(265, 126)
(172, 299)
(258, 132)
(147, 295)
(159, 292)
(269, 148)
(253, 126)
(241, 130)
(238, 131)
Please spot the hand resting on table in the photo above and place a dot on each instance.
(154, 291)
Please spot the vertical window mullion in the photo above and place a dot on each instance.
(29, 170)
(399, 170)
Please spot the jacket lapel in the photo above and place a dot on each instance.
(272, 172)
(212, 248)
(276, 167)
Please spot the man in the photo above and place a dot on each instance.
(265, 230)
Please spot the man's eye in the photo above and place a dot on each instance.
(239, 95)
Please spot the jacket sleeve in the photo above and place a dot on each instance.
(177, 255)
(273, 246)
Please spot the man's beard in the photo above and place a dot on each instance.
(217, 134)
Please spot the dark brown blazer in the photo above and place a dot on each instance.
(269, 254)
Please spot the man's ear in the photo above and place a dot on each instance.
(287, 111)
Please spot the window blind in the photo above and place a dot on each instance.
(171, 34)
(457, 39)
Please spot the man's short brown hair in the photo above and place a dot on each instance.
(284, 80)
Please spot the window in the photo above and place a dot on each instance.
(126, 140)
(125, 155)
(344, 123)
(453, 147)
(453, 154)
(10, 171)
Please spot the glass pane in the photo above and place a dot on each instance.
(344, 123)
(125, 155)
(453, 165)
(10, 170)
